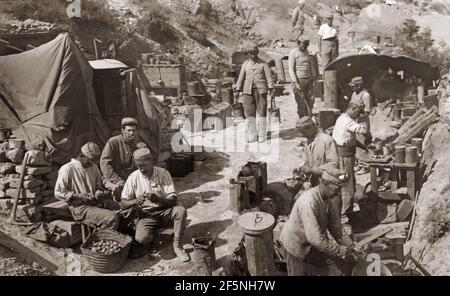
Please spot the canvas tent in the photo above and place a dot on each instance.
(46, 96)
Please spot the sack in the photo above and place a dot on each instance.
(50, 234)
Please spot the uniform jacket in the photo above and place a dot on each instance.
(254, 74)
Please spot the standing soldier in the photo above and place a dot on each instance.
(298, 19)
(328, 42)
(255, 81)
(344, 134)
(362, 98)
(300, 71)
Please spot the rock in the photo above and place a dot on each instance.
(35, 171)
(32, 183)
(6, 204)
(15, 155)
(31, 193)
(7, 168)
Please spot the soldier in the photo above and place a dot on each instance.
(328, 42)
(300, 71)
(298, 19)
(255, 81)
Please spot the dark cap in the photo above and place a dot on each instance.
(142, 154)
(129, 121)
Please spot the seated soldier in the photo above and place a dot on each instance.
(79, 184)
(151, 192)
(116, 161)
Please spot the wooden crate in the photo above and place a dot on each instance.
(173, 77)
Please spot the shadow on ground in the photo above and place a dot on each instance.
(190, 199)
(209, 171)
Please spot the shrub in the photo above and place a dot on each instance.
(438, 221)
(53, 11)
(96, 13)
(417, 43)
(155, 24)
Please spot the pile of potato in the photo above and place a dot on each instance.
(107, 247)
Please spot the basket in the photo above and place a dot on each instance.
(106, 263)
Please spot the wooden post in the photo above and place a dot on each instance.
(373, 180)
(330, 89)
(411, 183)
(258, 234)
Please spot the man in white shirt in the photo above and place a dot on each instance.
(150, 191)
(300, 71)
(344, 134)
(79, 184)
(328, 42)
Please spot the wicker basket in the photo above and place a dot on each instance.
(106, 263)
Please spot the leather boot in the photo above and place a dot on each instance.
(251, 129)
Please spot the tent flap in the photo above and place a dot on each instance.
(49, 90)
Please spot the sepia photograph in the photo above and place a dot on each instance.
(240, 141)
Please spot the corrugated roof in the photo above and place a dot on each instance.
(107, 64)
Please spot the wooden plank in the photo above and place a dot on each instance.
(417, 129)
(373, 180)
(397, 227)
(373, 236)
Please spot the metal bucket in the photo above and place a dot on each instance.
(204, 252)
(400, 153)
(411, 154)
(417, 142)
(238, 111)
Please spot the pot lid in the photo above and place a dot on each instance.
(256, 222)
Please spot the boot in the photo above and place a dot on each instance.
(262, 129)
(137, 250)
(251, 128)
(180, 252)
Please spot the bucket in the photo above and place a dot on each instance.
(204, 252)
(417, 142)
(400, 153)
(411, 154)
(238, 111)
(387, 149)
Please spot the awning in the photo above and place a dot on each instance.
(369, 66)
(107, 64)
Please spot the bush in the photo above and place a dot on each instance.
(96, 13)
(52, 11)
(155, 24)
(419, 44)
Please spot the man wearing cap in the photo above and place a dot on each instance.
(305, 234)
(344, 134)
(328, 42)
(362, 98)
(320, 149)
(255, 81)
(79, 184)
(300, 71)
(298, 19)
(151, 192)
(116, 161)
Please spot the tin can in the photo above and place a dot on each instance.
(411, 154)
(399, 153)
